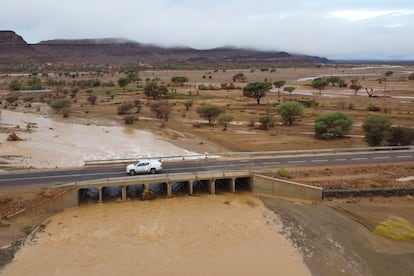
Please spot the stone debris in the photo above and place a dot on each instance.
(13, 137)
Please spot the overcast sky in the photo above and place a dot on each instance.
(330, 28)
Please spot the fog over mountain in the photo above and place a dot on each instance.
(14, 50)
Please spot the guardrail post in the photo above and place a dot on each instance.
(124, 194)
(212, 184)
(190, 187)
(169, 189)
(100, 195)
(233, 185)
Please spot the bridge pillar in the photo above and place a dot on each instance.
(123, 193)
(212, 186)
(169, 189)
(233, 185)
(100, 195)
(190, 187)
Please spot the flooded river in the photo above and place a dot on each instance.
(51, 144)
(199, 235)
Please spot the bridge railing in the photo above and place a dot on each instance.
(158, 177)
(243, 154)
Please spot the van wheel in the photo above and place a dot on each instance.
(132, 172)
(152, 171)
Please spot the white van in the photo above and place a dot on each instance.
(144, 166)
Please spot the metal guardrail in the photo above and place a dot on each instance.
(244, 154)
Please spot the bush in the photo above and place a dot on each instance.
(282, 172)
(59, 104)
(372, 107)
(11, 98)
(15, 85)
(400, 136)
(266, 121)
(333, 124)
(129, 119)
(289, 111)
(92, 98)
(5, 199)
(124, 108)
(376, 128)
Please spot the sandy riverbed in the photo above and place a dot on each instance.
(205, 235)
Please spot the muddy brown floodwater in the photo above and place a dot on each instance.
(51, 144)
(200, 235)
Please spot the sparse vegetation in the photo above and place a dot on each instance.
(290, 111)
(376, 129)
(125, 108)
(256, 90)
(209, 112)
(333, 125)
(60, 104)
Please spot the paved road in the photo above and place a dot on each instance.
(35, 177)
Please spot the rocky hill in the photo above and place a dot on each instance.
(14, 50)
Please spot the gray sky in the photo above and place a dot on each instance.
(330, 28)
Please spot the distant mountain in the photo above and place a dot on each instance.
(14, 50)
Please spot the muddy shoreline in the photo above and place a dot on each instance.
(334, 244)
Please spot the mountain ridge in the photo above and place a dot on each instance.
(15, 50)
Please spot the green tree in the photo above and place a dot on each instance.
(290, 111)
(122, 82)
(225, 119)
(355, 86)
(278, 84)
(59, 104)
(319, 84)
(162, 110)
(289, 89)
(152, 89)
(256, 90)
(188, 104)
(179, 80)
(125, 107)
(92, 98)
(333, 80)
(376, 129)
(209, 112)
(266, 121)
(240, 77)
(15, 85)
(333, 124)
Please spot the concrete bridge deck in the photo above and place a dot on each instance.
(231, 181)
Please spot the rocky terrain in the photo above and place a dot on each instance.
(14, 50)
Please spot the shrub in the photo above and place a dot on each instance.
(333, 124)
(400, 136)
(15, 85)
(124, 108)
(290, 111)
(209, 112)
(282, 172)
(92, 98)
(266, 121)
(5, 199)
(59, 104)
(129, 119)
(11, 98)
(376, 128)
(372, 107)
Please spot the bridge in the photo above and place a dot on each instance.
(228, 181)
